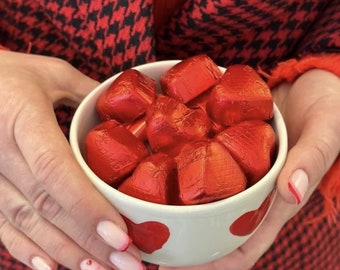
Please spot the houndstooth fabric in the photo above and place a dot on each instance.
(257, 32)
(98, 37)
(103, 37)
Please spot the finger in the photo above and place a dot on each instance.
(78, 203)
(49, 158)
(66, 81)
(52, 240)
(73, 87)
(36, 232)
(75, 92)
(54, 213)
(73, 81)
(22, 248)
(309, 159)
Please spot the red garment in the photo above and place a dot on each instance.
(103, 37)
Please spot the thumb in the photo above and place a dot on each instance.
(61, 82)
(308, 161)
(72, 93)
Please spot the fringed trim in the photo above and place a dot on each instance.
(289, 71)
(330, 189)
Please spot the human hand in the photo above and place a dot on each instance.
(49, 212)
(310, 107)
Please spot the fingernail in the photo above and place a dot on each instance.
(298, 185)
(113, 235)
(124, 260)
(40, 264)
(90, 264)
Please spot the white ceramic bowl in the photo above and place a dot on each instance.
(183, 235)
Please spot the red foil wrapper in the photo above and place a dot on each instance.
(252, 145)
(127, 98)
(190, 77)
(113, 152)
(154, 180)
(240, 95)
(207, 172)
(171, 124)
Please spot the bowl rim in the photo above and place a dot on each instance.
(281, 140)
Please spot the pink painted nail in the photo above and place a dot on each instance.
(40, 264)
(90, 264)
(124, 260)
(298, 185)
(113, 235)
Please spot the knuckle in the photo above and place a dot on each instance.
(46, 205)
(52, 173)
(322, 155)
(56, 63)
(59, 66)
(86, 240)
(46, 165)
(23, 217)
(79, 205)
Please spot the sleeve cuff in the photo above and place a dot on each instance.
(288, 71)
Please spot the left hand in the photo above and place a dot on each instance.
(50, 213)
(310, 107)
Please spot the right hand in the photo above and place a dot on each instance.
(49, 211)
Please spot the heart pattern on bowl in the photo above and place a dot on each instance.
(148, 236)
(247, 223)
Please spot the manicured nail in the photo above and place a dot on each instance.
(40, 264)
(113, 235)
(124, 260)
(298, 185)
(90, 264)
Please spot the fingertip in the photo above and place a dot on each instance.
(294, 186)
(113, 235)
(298, 185)
(39, 263)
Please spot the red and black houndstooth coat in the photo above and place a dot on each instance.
(104, 37)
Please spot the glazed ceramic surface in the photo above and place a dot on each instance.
(183, 235)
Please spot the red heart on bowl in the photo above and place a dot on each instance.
(148, 236)
(248, 222)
